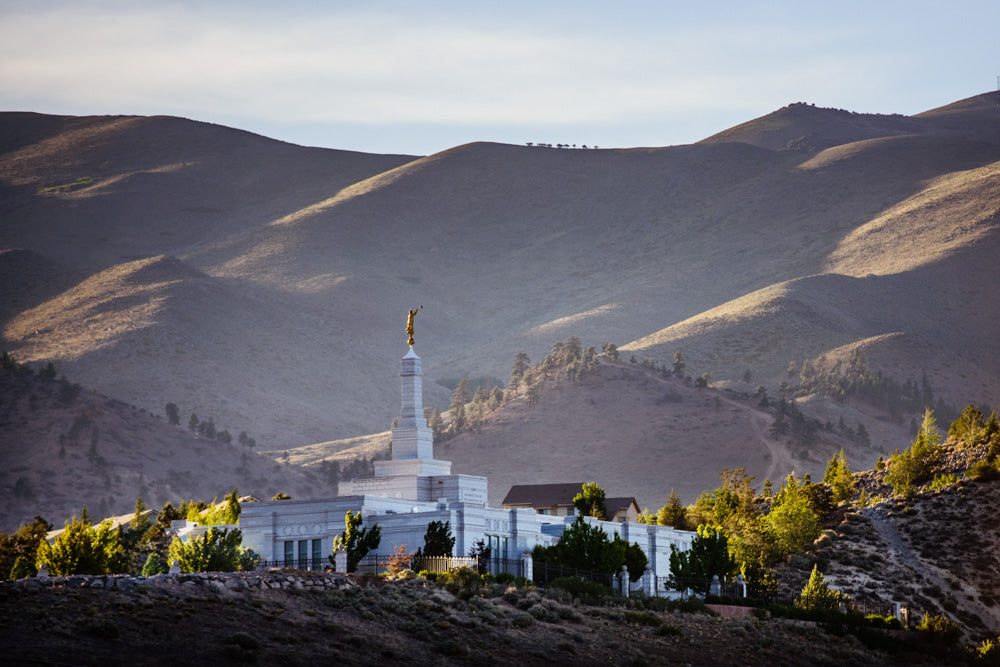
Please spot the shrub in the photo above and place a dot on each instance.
(153, 565)
(505, 578)
(588, 592)
(939, 631)
(941, 481)
(462, 582)
(21, 569)
(523, 620)
(984, 471)
(643, 618)
(989, 652)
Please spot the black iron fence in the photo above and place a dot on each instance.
(297, 563)
(547, 572)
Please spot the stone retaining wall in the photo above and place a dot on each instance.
(219, 582)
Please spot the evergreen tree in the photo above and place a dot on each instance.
(459, 397)
(21, 569)
(521, 364)
(438, 540)
(816, 594)
(587, 547)
(217, 550)
(355, 540)
(436, 422)
(590, 501)
(679, 364)
(792, 521)
(83, 549)
(915, 465)
(173, 414)
(193, 423)
(838, 476)
(154, 565)
(610, 351)
(673, 513)
(707, 557)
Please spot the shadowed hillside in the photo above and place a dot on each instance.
(167, 260)
(65, 447)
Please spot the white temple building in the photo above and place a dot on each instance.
(412, 489)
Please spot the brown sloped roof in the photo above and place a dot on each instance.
(542, 495)
(615, 504)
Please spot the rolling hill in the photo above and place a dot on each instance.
(160, 259)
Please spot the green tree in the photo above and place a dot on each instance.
(459, 397)
(969, 428)
(214, 514)
(154, 565)
(590, 501)
(216, 550)
(22, 543)
(708, 557)
(521, 364)
(792, 521)
(673, 513)
(731, 502)
(816, 594)
(838, 476)
(438, 540)
(915, 465)
(355, 540)
(587, 547)
(610, 351)
(173, 414)
(193, 423)
(22, 569)
(83, 549)
(679, 364)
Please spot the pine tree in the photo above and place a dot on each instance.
(355, 540)
(590, 501)
(816, 594)
(673, 513)
(173, 414)
(521, 364)
(679, 364)
(438, 540)
(838, 476)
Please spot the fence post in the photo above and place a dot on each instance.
(741, 586)
(625, 580)
(715, 588)
(528, 565)
(340, 561)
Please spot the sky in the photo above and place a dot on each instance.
(423, 76)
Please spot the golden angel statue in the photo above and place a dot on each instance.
(409, 324)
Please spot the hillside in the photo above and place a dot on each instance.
(935, 553)
(267, 283)
(64, 447)
(311, 617)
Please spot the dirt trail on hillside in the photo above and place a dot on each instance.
(899, 549)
